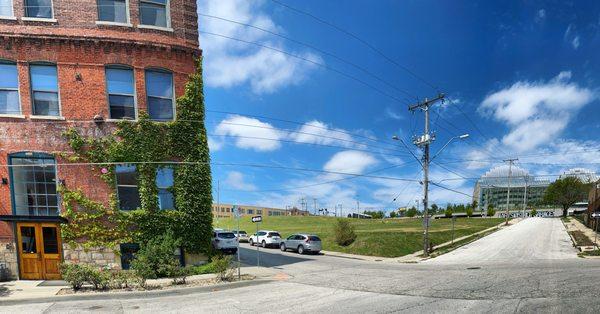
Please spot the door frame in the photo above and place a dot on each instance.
(39, 247)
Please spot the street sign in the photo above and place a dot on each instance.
(257, 219)
(236, 211)
(596, 215)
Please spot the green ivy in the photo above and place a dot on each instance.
(147, 143)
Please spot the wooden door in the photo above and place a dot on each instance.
(51, 250)
(40, 250)
(30, 251)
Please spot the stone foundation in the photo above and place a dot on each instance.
(100, 257)
(8, 257)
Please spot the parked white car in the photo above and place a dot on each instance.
(266, 238)
(225, 241)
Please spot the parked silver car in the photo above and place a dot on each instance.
(241, 235)
(302, 243)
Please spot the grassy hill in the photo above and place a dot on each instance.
(387, 238)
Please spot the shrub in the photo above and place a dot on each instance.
(491, 211)
(222, 266)
(533, 213)
(469, 211)
(448, 212)
(74, 274)
(122, 279)
(344, 233)
(155, 259)
(99, 278)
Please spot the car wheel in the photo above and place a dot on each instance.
(301, 250)
(282, 247)
(251, 242)
(264, 244)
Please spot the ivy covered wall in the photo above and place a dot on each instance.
(181, 144)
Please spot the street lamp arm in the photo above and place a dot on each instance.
(447, 143)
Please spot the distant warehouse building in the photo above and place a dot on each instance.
(226, 210)
(492, 188)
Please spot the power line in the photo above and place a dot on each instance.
(362, 41)
(311, 47)
(380, 91)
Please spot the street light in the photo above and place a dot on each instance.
(460, 137)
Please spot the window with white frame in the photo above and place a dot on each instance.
(6, 8)
(159, 91)
(120, 87)
(154, 13)
(116, 11)
(39, 9)
(44, 89)
(9, 88)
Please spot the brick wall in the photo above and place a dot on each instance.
(78, 18)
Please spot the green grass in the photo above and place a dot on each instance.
(387, 238)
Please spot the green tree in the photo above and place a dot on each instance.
(566, 192)
(469, 211)
(393, 214)
(490, 211)
(533, 213)
(344, 232)
(375, 214)
(448, 212)
(434, 209)
(411, 212)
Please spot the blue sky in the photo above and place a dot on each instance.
(522, 79)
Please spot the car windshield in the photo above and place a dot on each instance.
(314, 238)
(242, 232)
(226, 235)
(274, 234)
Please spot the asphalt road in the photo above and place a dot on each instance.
(541, 274)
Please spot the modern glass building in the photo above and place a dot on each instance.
(492, 188)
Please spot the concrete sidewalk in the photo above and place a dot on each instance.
(575, 225)
(22, 290)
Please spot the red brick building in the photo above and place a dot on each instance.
(82, 64)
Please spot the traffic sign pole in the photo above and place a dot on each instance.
(257, 220)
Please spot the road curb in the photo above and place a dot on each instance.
(137, 294)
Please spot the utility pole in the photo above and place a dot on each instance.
(525, 197)
(218, 200)
(423, 142)
(315, 202)
(510, 163)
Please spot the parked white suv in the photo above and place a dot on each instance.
(225, 241)
(266, 238)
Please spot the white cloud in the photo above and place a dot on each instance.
(236, 180)
(253, 133)
(536, 112)
(575, 42)
(317, 132)
(230, 63)
(214, 144)
(350, 161)
(390, 113)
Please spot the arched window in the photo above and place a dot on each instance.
(160, 95)
(9, 89)
(33, 184)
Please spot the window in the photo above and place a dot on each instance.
(154, 13)
(250, 211)
(6, 8)
(9, 89)
(127, 189)
(128, 251)
(159, 89)
(34, 185)
(44, 87)
(113, 11)
(121, 92)
(164, 182)
(38, 8)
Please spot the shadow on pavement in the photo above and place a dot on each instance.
(267, 258)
